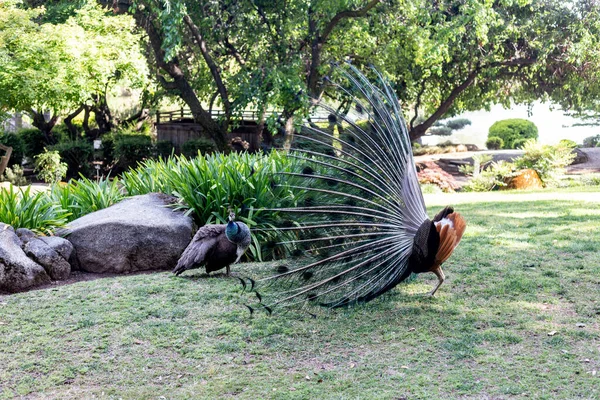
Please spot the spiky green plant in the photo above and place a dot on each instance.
(83, 196)
(36, 211)
(209, 186)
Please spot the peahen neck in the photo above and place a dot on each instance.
(232, 230)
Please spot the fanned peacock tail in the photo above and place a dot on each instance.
(361, 208)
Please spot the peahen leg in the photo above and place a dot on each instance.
(441, 277)
(228, 270)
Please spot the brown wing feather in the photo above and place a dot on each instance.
(450, 236)
(203, 242)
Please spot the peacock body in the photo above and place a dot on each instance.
(215, 247)
(360, 222)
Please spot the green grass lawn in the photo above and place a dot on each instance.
(526, 268)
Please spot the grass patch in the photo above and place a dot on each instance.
(525, 268)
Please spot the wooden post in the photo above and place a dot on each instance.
(4, 159)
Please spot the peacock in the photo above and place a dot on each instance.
(359, 227)
(215, 247)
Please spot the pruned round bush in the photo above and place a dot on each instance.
(34, 141)
(567, 143)
(202, 145)
(132, 149)
(519, 143)
(164, 148)
(77, 154)
(494, 143)
(513, 131)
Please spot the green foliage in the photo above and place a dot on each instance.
(33, 140)
(568, 143)
(77, 154)
(494, 143)
(592, 141)
(49, 167)
(204, 146)
(35, 211)
(15, 176)
(446, 128)
(548, 161)
(164, 148)
(129, 150)
(210, 185)
(18, 148)
(491, 178)
(513, 132)
(59, 65)
(83, 196)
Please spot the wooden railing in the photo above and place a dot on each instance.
(185, 113)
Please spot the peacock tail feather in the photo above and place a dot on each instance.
(362, 204)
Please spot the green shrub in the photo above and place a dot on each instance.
(15, 176)
(494, 143)
(568, 142)
(490, 178)
(129, 150)
(77, 154)
(204, 146)
(23, 209)
(210, 185)
(592, 141)
(164, 148)
(49, 167)
(511, 130)
(83, 196)
(18, 148)
(33, 140)
(548, 161)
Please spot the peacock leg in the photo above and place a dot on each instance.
(441, 277)
(228, 270)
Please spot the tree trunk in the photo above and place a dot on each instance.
(69, 122)
(180, 82)
(45, 127)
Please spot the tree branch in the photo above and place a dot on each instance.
(344, 15)
(214, 70)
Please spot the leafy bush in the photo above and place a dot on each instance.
(164, 148)
(511, 130)
(49, 167)
(592, 141)
(431, 173)
(129, 150)
(23, 209)
(568, 143)
(204, 146)
(77, 154)
(15, 176)
(18, 148)
(491, 177)
(494, 143)
(33, 140)
(83, 196)
(210, 185)
(548, 161)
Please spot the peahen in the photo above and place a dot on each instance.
(215, 247)
(360, 224)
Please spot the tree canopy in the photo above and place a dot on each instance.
(442, 57)
(59, 68)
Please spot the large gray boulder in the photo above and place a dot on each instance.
(137, 234)
(17, 271)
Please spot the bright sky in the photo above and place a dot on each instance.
(553, 125)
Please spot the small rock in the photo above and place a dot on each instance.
(552, 333)
(580, 325)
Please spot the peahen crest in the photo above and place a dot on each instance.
(354, 226)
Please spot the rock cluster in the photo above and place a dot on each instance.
(137, 234)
